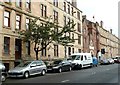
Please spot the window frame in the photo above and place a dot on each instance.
(55, 3)
(78, 27)
(56, 48)
(28, 3)
(68, 9)
(44, 51)
(43, 10)
(7, 45)
(19, 21)
(19, 3)
(7, 17)
(28, 48)
(27, 24)
(79, 39)
(72, 11)
(55, 14)
(78, 15)
(65, 20)
(73, 50)
(64, 6)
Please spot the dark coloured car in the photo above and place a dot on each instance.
(59, 66)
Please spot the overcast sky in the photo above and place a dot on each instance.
(105, 10)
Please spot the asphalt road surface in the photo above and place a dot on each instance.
(103, 74)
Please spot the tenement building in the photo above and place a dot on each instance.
(97, 39)
(90, 36)
(15, 15)
(108, 41)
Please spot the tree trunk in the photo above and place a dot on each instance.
(36, 55)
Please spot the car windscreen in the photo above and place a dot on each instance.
(24, 64)
(57, 61)
(73, 57)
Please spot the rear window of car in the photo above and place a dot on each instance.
(24, 64)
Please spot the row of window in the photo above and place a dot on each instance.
(72, 50)
(71, 11)
(18, 48)
(66, 20)
(66, 8)
(18, 20)
(44, 7)
(19, 3)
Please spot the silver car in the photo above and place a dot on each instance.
(3, 72)
(28, 68)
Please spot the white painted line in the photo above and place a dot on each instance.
(107, 69)
(65, 81)
(94, 73)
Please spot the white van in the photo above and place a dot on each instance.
(81, 60)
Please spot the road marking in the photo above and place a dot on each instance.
(65, 81)
(94, 73)
(107, 69)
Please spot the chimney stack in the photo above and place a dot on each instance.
(101, 24)
(111, 31)
(74, 3)
(84, 16)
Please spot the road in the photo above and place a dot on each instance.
(96, 75)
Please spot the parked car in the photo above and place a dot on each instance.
(28, 68)
(95, 61)
(104, 62)
(117, 59)
(59, 66)
(110, 60)
(3, 72)
(80, 60)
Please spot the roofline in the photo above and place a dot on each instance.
(73, 6)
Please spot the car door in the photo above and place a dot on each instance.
(82, 60)
(62, 65)
(66, 65)
(40, 66)
(33, 68)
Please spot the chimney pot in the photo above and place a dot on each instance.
(111, 31)
(74, 3)
(101, 23)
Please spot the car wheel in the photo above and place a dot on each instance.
(26, 74)
(80, 66)
(43, 72)
(70, 68)
(3, 78)
(59, 70)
